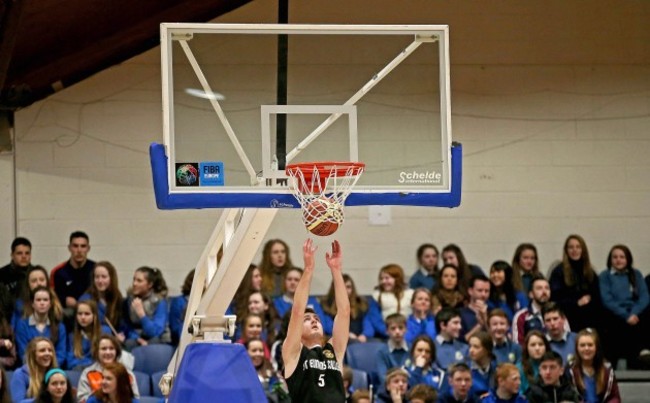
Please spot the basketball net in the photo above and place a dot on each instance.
(322, 187)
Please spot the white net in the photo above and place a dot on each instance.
(321, 189)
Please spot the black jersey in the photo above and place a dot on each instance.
(317, 377)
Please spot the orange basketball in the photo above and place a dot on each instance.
(321, 217)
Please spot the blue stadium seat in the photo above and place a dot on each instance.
(363, 356)
(155, 380)
(74, 377)
(359, 379)
(150, 399)
(144, 383)
(152, 358)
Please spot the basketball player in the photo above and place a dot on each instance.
(313, 371)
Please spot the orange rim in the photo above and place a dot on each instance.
(326, 170)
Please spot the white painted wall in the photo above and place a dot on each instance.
(551, 101)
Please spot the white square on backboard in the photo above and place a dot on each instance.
(379, 215)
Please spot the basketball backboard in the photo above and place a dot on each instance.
(240, 101)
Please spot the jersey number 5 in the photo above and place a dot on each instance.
(321, 380)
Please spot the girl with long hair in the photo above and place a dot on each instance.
(251, 283)
(7, 337)
(56, 388)
(483, 363)
(421, 364)
(525, 265)
(358, 308)
(107, 350)
(104, 290)
(421, 321)
(115, 387)
(39, 358)
(592, 375)
(447, 292)
(625, 296)
(275, 262)
(82, 339)
(44, 321)
(262, 305)
(392, 294)
(452, 254)
(177, 308)
(503, 293)
(36, 277)
(252, 328)
(147, 314)
(427, 271)
(574, 285)
(535, 346)
(255, 349)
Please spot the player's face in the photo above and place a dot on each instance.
(498, 277)
(41, 303)
(421, 302)
(256, 280)
(256, 352)
(79, 248)
(461, 382)
(102, 278)
(527, 259)
(536, 347)
(541, 292)
(107, 352)
(511, 382)
(291, 281)
(256, 304)
(586, 348)
(387, 282)
(429, 259)
(253, 328)
(554, 323)
(574, 249)
(498, 327)
(311, 325)
(278, 255)
(449, 279)
(450, 257)
(22, 256)
(37, 278)
(619, 261)
(422, 349)
(396, 332)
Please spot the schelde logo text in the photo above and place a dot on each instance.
(416, 177)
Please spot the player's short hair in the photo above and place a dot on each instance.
(79, 234)
(20, 241)
(445, 315)
(552, 356)
(395, 319)
(310, 310)
(552, 307)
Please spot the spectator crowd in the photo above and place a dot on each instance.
(451, 332)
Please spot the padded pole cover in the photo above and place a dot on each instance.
(211, 372)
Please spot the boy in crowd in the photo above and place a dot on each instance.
(396, 351)
(552, 385)
(507, 390)
(449, 349)
(562, 341)
(396, 385)
(530, 318)
(460, 384)
(13, 275)
(474, 315)
(71, 278)
(505, 350)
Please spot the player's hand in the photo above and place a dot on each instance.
(308, 251)
(335, 259)
(395, 395)
(584, 300)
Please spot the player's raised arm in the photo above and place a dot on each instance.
(341, 330)
(292, 343)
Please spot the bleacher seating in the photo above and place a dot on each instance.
(144, 383)
(155, 380)
(152, 358)
(359, 379)
(363, 356)
(74, 377)
(149, 399)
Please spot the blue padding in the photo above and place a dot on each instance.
(166, 201)
(211, 372)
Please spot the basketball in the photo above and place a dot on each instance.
(322, 217)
